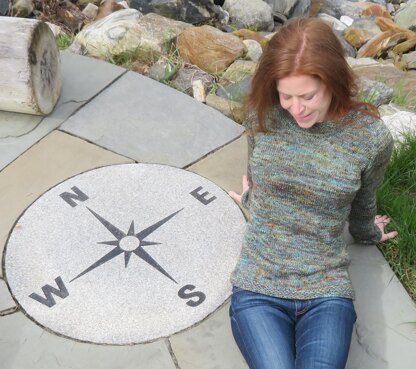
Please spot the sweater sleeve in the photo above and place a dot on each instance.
(364, 206)
(248, 123)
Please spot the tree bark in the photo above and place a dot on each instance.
(30, 66)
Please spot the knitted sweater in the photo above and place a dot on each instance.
(305, 184)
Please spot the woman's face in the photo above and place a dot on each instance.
(306, 98)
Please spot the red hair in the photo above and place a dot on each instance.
(305, 46)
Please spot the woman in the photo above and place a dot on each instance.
(316, 157)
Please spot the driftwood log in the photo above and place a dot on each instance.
(30, 66)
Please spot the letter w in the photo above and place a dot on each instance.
(48, 290)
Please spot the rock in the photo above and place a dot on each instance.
(360, 62)
(409, 60)
(346, 20)
(400, 124)
(376, 10)
(402, 83)
(231, 109)
(108, 7)
(4, 7)
(57, 31)
(285, 7)
(302, 8)
(70, 16)
(246, 34)
(139, 67)
(163, 70)
(250, 14)
(158, 35)
(113, 35)
(348, 49)
(406, 16)
(84, 3)
(237, 71)
(337, 8)
(361, 31)
(22, 8)
(187, 75)
(389, 109)
(254, 50)
(198, 91)
(237, 91)
(374, 92)
(209, 48)
(333, 22)
(194, 12)
(90, 11)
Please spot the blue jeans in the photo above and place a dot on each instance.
(276, 333)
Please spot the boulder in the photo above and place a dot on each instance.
(406, 16)
(400, 124)
(231, 109)
(22, 8)
(194, 12)
(250, 14)
(90, 11)
(4, 7)
(107, 7)
(113, 35)
(84, 3)
(209, 48)
(254, 50)
(186, 76)
(361, 31)
(335, 23)
(338, 8)
(237, 91)
(302, 9)
(409, 60)
(163, 70)
(375, 92)
(376, 10)
(285, 7)
(237, 71)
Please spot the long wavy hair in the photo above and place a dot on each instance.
(305, 46)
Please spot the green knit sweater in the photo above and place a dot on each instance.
(305, 184)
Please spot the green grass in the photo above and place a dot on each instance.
(396, 197)
(63, 41)
(401, 97)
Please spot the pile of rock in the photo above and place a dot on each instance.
(210, 48)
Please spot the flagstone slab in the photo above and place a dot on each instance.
(209, 345)
(55, 158)
(150, 122)
(6, 300)
(83, 78)
(25, 345)
(384, 335)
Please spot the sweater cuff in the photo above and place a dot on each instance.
(245, 199)
(368, 236)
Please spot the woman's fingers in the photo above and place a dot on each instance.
(235, 196)
(245, 184)
(389, 236)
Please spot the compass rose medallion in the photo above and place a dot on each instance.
(124, 254)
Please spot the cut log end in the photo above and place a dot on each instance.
(45, 66)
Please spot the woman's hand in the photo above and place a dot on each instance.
(246, 187)
(381, 221)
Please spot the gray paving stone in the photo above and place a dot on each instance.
(385, 331)
(125, 253)
(151, 122)
(53, 159)
(25, 345)
(209, 345)
(83, 78)
(6, 300)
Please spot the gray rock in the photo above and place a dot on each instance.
(90, 11)
(237, 71)
(163, 70)
(337, 8)
(400, 124)
(250, 14)
(4, 7)
(86, 2)
(349, 50)
(335, 23)
(374, 92)
(236, 91)
(301, 8)
(195, 11)
(406, 16)
(381, 2)
(409, 60)
(187, 75)
(254, 50)
(231, 109)
(285, 7)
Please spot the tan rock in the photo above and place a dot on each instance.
(376, 10)
(237, 71)
(357, 37)
(231, 109)
(107, 7)
(246, 34)
(209, 48)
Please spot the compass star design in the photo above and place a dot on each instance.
(129, 243)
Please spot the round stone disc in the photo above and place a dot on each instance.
(124, 254)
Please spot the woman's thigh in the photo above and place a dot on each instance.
(323, 334)
(263, 330)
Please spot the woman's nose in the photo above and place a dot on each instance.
(297, 106)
